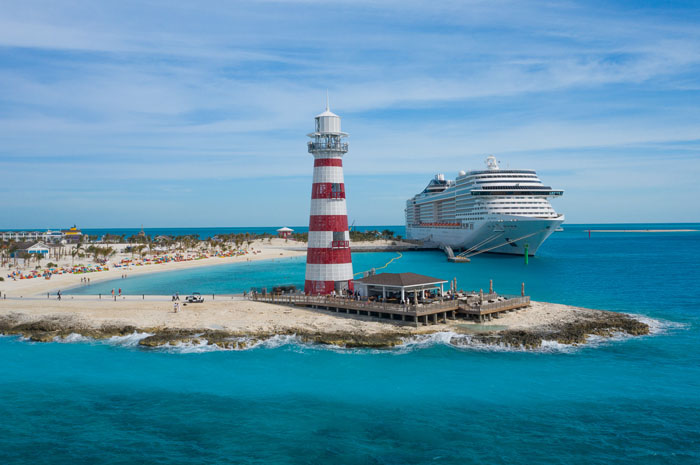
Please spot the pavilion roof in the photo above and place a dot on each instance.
(400, 280)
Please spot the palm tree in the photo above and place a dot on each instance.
(5, 254)
(73, 253)
(26, 256)
(108, 252)
(142, 251)
(13, 250)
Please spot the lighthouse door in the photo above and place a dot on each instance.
(340, 287)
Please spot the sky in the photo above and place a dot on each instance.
(184, 114)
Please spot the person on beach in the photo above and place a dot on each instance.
(120, 292)
(112, 292)
(175, 307)
(59, 295)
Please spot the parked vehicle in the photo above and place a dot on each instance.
(195, 298)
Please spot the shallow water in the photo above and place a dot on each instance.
(632, 400)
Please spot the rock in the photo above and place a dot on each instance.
(43, 337)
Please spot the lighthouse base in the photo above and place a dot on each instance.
(326, 287)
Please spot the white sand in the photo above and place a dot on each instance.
(246, 316)
(232, 315)
(267, 250)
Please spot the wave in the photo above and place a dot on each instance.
(73, 337)
(129, 340)
(658, 326)
(202, 345)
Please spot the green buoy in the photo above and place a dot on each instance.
(526, 253)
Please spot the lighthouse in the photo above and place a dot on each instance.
(328, 260)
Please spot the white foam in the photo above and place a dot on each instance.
(449, 339)
(129, 340)
(554, 346)
(279, 341)
(658, 326)
(468, 343)
(73, 337)
(202, 345)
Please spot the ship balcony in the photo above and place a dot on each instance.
(333, 146)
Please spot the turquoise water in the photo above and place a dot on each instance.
(625, 401)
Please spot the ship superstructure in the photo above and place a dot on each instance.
(491, 210)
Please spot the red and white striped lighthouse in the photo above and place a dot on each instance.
(328, 261)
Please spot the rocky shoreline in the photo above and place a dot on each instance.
(593, 322)
(603, 324)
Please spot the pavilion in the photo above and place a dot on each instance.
(399, 286)
(284, 232)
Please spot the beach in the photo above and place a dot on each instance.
(258, 250)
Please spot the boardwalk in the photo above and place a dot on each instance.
(422, 313)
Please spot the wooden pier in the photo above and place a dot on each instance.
(481, 308)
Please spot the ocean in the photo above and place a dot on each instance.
(625, 400)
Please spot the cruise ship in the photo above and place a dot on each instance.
(492, 210)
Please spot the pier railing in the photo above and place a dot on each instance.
(510, 302)
(420, 309)
(364, 305)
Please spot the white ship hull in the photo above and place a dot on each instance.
(497, 234)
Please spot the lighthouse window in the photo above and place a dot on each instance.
(338, 235)
(337, 191)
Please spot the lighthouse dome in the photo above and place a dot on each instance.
(328, 122)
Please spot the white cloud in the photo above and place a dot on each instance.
(165, 91)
